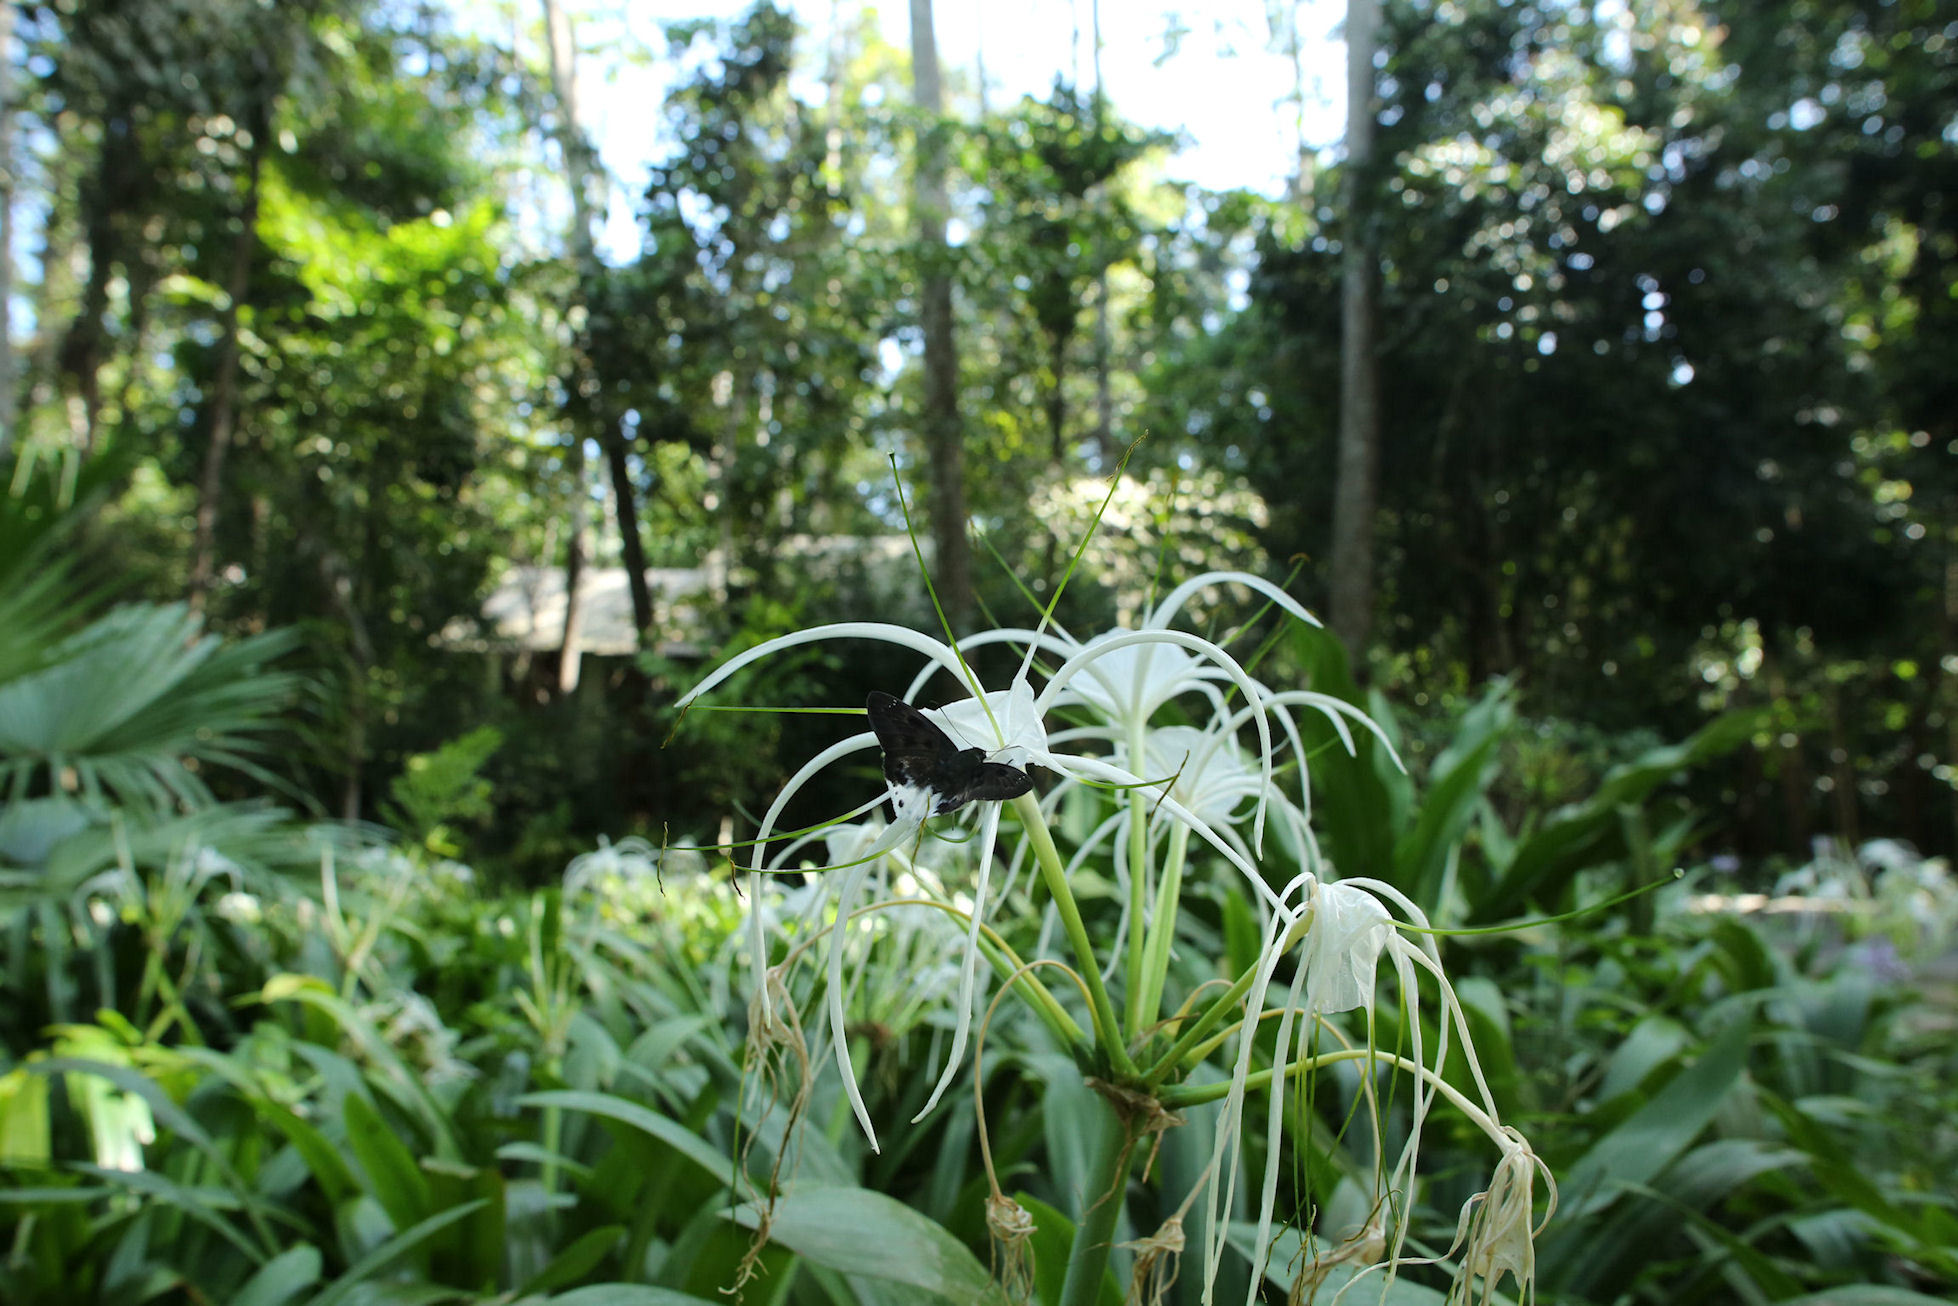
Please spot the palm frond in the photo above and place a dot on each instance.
(131, 708)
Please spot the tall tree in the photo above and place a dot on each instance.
(1104, 395)
(592, 405)
(943, 429)
(1357, 484)
(587, 404)
(224, 392)
(6, 229)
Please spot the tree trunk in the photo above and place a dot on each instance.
(1357, 488)
(943, 430)
(1104, 398)
(224, 387)
(633, 550)
(1946, 691)
(570, 654)
(108, 195)
(6, 230)
(587, 401)
(1057, 399)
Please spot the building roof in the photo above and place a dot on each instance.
(526, 609)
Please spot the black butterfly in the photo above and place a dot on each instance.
(918, 753)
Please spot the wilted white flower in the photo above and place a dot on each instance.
(1342, 931)
(1498, 1227)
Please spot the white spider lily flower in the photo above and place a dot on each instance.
(1127, 684)
(630, 859)
(1349, 931)
(1212, 776)
(1011, 720)
(1343, 930)
(1007, 720)
(1120, 679)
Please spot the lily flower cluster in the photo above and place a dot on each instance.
(1230, 789)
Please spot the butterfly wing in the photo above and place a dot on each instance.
(985, 782)
(916, 752)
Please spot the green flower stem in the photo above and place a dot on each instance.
(1180, 1050)
(1178, 1096)
(1138, 900)
(1162, 930)
(1193, 1034)
(1108, 1177)
(1054, 873)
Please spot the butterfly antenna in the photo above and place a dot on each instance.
(1168, 784)
(678, 721)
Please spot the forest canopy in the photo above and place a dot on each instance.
(310, 309)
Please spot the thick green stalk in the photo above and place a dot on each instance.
(1138, 901)
(1108, 1178)
(1215, 1013)
(1162, 929)
(1193, 1033)
(1054, 874)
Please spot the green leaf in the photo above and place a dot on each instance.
(392, 1176)
(1053, 1239)
(1864, 1294)
(1655, 1040)
(387, 1252)
(329, 1169)
(1592, 832)
(867, 1234)
(1456, 784)
(532, 1154)
(575, 1261)
(24, 1138)
(282, 1278)
(137, 705)
(166, 1111)
(201, 1205)
(1354, 810)
(645, 1119)
(397, 1078)
(1657, 1132)
(627, 1294)
(472, 1253)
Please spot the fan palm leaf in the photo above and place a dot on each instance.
(130, 709)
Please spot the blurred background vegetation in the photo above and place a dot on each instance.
(326, 380)
(308, 316)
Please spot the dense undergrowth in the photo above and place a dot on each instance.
(255, 1060)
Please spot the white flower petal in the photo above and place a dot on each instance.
(1342, 948)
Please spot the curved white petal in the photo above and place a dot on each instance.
(988, 831)
(877, 630)
(1253, 692)
(1173, 602)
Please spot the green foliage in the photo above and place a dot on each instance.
(1441, 837)
(129, 710)
(1668, 523)
(445, 786)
